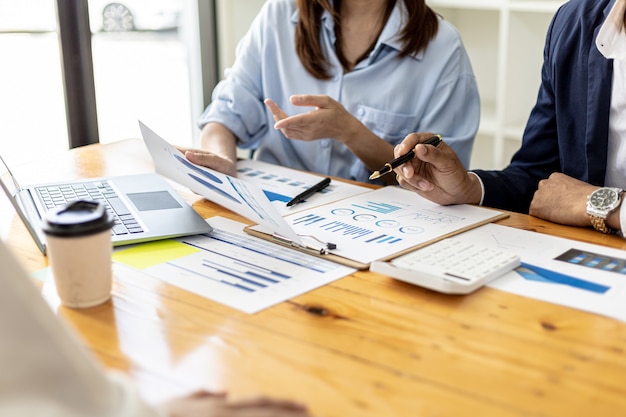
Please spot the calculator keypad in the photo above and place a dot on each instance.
(451, 265)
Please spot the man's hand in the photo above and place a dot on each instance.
(562, 199)
(436, 173)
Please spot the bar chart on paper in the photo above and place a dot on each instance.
(384, 222)
(558, 270)
(232, 268)
(281, 184)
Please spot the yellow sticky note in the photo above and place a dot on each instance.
(145, 255)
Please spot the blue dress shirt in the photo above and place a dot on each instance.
(434, 90)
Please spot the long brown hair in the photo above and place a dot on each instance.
(421, 27)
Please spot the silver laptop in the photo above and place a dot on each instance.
(145, 206)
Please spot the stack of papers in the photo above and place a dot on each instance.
(361, 225)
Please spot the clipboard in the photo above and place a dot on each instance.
(329, 255)
(481, 216)
(319, 252)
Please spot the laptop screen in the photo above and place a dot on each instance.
(9, 183)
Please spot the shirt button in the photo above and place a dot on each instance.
(360, 112)
(325, 143)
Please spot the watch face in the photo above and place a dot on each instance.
(604, 199)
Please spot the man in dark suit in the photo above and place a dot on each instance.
(571, 166)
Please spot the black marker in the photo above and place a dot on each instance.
(389, 166)
(309, 192)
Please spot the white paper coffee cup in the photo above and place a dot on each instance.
(79, 249)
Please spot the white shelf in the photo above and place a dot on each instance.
(463, 4)
(514, 132)
(505, 40)
(488, 122)
(535, 6)
(548, 6)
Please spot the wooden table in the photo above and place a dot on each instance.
(365, 345)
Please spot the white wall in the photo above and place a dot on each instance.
(233, 19)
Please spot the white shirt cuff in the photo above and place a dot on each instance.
(622, 218)
(482, 187)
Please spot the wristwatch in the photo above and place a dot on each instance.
(600, 204)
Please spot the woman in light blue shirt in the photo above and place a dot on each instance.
(356, 77)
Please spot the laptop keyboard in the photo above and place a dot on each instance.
(101, 191)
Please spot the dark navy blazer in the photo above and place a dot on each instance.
(567, 130)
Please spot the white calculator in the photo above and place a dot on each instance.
(452, 266)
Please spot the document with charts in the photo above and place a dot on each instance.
(281, 184)
(231, 267)
(562, 271)
(356, 230)
(239, 196)
(259, 193)
(382, 224)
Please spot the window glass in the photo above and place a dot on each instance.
(140, 69)
(32, 106)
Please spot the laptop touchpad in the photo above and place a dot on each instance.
(157, 200)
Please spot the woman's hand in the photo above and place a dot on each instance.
(210, 160)
(329, 119)
(206, 404)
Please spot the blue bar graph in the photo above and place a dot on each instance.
(384, 239)
(309, 219)
(346, 229)
(594, 261)
(292, 257)
(535, 273)
(383, 208)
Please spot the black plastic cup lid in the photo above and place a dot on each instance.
(78, 218)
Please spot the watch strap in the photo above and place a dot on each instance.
(599, 223)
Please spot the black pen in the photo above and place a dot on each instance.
(309, 192)
(389, 166)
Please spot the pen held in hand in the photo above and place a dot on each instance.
(389, 166)
(309, 192)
